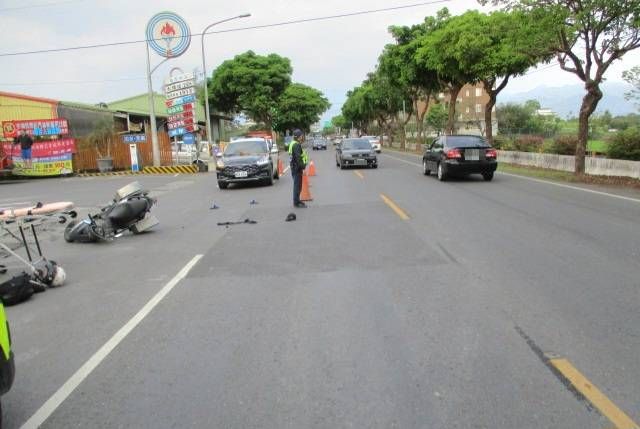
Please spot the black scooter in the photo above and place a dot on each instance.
(129, 211)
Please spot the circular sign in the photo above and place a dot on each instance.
(168, 34)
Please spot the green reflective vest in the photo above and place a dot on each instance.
(5, 341)
(305, 155)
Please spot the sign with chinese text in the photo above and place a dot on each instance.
(49, 158)
(37, 127)
(134, 138)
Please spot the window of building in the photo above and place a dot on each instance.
(467, 109)
(467, 92)
(478, 92)
(478, 108)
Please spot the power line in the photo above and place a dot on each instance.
(33, 6)
(71, 82)
(254, 27)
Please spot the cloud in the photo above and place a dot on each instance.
(333, 56)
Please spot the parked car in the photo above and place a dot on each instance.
(460, 155)
(188, 153)
(356, 152)
(246, 160)
(375, 142)
(319, 144)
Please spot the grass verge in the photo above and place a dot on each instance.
(564, 176)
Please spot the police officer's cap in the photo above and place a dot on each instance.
(297, 132)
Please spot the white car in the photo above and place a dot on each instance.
(187, 153)
(375, 142)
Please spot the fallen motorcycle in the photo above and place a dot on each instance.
(129, 211)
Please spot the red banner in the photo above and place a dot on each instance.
(36, 127)
(44, 149)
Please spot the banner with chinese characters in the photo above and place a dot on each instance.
(49, 158)
(36, 127)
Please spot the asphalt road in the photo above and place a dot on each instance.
(394, 300)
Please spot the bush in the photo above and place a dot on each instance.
(528, 143)
(625, 145)
(562, 145)
(501, 142)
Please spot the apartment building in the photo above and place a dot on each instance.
(470, 108)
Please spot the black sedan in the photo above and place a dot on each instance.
(460, 155)
(246, 160)
(319, 144)
(356, 152)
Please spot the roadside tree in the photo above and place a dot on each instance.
(252, 84)
(590, 36)
(299, 106)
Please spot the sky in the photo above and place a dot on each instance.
(332, 55)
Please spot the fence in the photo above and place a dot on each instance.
(86, 157)
(593, 165)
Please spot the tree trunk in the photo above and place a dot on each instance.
(488, 123)
(453, 99)
(589, 104)
(420, 118)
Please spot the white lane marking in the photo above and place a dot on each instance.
(576, 188)
(85, 370)
(403, 160)
(285, 170)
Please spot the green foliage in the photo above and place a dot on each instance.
(339, 121)
(624, 122)
(625, 145)
(437, 117)
(632, 77)
(528, 143)
(102, 136)
(502, 143)
(250, 83)
(563, 145)
(299, 106)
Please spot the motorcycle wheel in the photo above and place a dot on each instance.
(67, 231)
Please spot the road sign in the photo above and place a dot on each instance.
(180, 101)
(177, 86)
(188, 138)
(134, 138)
(187, 107)
(181, 93)
(179, 78)
(168, 34)
(181, 116)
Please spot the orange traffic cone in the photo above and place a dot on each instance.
(305, 194)
(280, 167)
(312, 169)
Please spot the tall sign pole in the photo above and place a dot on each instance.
(169, 36)
(152, 114)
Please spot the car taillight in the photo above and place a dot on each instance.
(453, 153)
(491, 153)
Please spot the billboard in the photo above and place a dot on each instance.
(49, 158)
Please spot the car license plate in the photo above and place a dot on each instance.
(472, 154)
(241, 174)
(361, 161)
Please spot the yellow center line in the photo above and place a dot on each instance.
(594, 395)
(357, 173)
(394, 207)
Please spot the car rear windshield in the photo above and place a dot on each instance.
(249, 147)
(356, 144)
(466, 141)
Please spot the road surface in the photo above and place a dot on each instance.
(394, 300)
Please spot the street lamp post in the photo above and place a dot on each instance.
(204, 71)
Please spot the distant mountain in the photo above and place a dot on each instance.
(566, 100)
